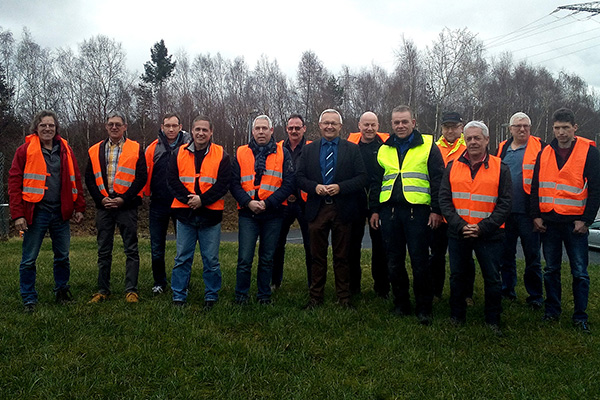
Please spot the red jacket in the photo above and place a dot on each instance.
(20, 208)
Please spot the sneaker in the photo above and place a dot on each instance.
(469, 302)
(132, 297)
(209, 304)
(582, 326)
(63, 296)
(536, 305)
(98, 298)
(156, 290)
(28, 308)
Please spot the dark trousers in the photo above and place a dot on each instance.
(488, 256)
(291, 213)
(379, 270)
(126, 221)
(438, 243)
(159, 217)
(327, 221)
(406, 227)
(521, 225)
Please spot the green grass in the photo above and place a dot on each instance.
(152, 350)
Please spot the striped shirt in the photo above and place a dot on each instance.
(113, 152)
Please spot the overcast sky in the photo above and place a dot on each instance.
(356, 33)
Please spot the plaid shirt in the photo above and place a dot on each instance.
(113, 152)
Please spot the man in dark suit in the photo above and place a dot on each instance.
(332, 172)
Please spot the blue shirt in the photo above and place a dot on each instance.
(323, 155)
(514, 160)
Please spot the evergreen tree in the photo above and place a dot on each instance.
(160, 67)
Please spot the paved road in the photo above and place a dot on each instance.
(296, 237)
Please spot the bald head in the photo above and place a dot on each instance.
(368, 126)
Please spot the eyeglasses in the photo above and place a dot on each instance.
(44, 126)
(524, 126)
(170, 126)
(327, 123)
(294, 128)
(114, 124)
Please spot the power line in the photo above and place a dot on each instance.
(553, 41)
(562, 47)
(568, 54)
(534, 33)
(591, 7)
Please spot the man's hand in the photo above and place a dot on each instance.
(256, 206)
(435, 220)
(471, 231)
(77, 217)
(321, 190)
(21, 224)
(580, 228)
(374, 221)
(109, 203)
(333, 189)
(194, 201)
(538, 225)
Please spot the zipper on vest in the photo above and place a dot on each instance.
(412, 213)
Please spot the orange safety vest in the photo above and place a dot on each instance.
(534, 146)
(475, 199)
(35, 171)
(451, 151)
(565, 190)
(355, 137)
(150, 165)
(272, 177)
(209, 172)
(125, 174)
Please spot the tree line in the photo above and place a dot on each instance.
(84, 84)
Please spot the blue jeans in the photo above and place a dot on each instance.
(405, 227)
(521, 225)
(250, 229)
(461, 282)
(60, 234)
(208, 239)
(159, 224)
(577, 249)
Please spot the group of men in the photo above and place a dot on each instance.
(416, 194)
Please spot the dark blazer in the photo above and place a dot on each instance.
(350, 174)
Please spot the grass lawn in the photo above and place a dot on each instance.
(153, 350)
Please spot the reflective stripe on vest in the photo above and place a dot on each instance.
(534, 146)
(272, 177)
(475, 199)
(125, 174)
(564, 191)
(35, 171)
(413, 173)
(209, 172)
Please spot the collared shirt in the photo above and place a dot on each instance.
(323, 154)
(113, 152)
(51, 200)
(514, 160)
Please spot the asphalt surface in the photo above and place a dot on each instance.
(295, 236)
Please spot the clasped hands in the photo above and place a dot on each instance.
(327, 190)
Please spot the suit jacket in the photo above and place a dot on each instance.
(350, 175)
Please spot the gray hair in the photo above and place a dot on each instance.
(478, 124)
(519, 115)
(117, 114)
(331, 110)
(263, 117)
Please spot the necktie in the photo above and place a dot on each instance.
(329, 166)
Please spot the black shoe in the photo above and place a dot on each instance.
(241, 302)
(550, 318)
(209, 304)
(312, 304)
(29, 308)
(63, 296)
(346, 303)
(424, 319)
(509, 297)
(383, 295)
(495, 328)
(265, 302)
(582, 326)
(536, 305)
(454, 321)
(401, 311)
(179, 303)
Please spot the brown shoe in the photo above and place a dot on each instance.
(98, 298)
(132, 297)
